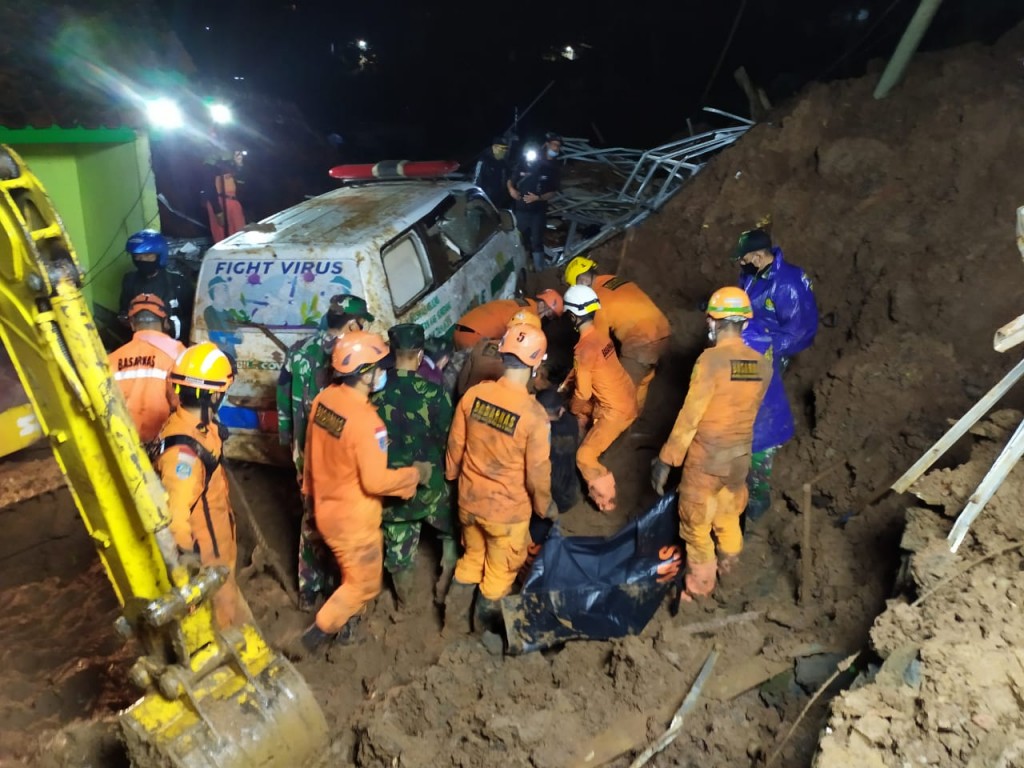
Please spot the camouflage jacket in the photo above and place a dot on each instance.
(418, 415)
(304, 373)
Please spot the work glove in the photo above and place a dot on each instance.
(552, 512)
(659, 474)
(426, 469)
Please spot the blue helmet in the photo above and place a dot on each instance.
(148, 241)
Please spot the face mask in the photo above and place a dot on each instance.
(147, 268)
(378, 384)
(749, 268)
(552, 154)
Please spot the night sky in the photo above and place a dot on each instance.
(441, 79)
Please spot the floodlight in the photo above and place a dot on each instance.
(165, 113)
(220, 114)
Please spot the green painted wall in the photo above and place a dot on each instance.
(104, 192)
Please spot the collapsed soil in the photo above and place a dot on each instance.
(902, 213)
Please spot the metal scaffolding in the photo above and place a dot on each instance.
(592, 210)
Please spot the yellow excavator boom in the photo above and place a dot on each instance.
(211, 697)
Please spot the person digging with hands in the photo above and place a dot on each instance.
(712, 439)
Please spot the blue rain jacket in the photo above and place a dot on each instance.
(774, 423)
(784, 306)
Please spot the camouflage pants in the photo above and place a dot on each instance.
(318, 569)
(759, 483)
(402, 539)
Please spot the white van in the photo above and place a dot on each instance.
(417, 251)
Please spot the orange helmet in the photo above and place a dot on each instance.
(730, 302)
(553, 299)
(526, 342)
(203, 366)
(524, 317)
(358, 351)
(147, 302)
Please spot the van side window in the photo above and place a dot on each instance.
(407, 270)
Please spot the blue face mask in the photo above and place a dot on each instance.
(552, 154)
(381, 382)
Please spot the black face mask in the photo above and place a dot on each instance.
(749, 269)
(147, 268)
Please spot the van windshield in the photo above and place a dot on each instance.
(276, 292)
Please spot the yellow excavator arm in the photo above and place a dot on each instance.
(211, 698)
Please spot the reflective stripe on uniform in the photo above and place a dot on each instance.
(140, 373)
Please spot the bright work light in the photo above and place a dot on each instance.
(165, 113)
(220, 113)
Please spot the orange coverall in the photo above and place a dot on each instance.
(202, 520)
(488, 321)
(604, 392)
(499, 449)
(345, 474)
(713, 433)
(641, 328)
(140, 369)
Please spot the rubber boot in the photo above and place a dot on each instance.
(486, 616)
(457, 605)
(602, 491)
(404, 582)
(449, 557)
(307, 644)
(699, 580)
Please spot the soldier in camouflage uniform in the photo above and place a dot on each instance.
(305, 372)
(418, 414)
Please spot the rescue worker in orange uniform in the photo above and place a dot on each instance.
(631, 316)
(499, 452)
(604, 397)
(712, 439)
(489, 321)
(483, 361)
(140, 367)
(345, 474)
(189, 464)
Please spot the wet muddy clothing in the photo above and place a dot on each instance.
(488, 321)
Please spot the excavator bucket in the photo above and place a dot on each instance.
(255, 712)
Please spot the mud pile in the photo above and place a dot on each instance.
(949, 690)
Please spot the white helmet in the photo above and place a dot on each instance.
(581, 300)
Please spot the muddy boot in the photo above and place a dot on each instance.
(307, 644)
(348, 633)
(457, 604)
(449, 557)
(487, 616)
(404, 582)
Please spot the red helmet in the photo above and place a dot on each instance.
(526, 342)
(553, 299)
(147, 302)
(358, 351)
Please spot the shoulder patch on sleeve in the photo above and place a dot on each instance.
(183, 469)
(333, 423)
(382, 437)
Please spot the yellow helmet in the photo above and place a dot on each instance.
(203, 366)
(525, 317)
(580, 265)
(729, 302)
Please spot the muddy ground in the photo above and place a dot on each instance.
(902, 212)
